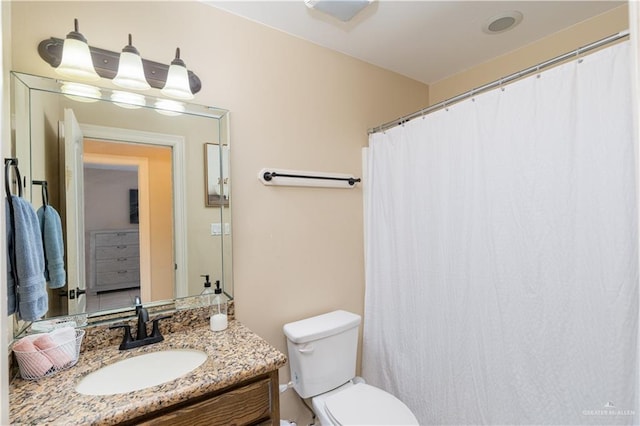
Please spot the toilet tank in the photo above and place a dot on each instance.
(322, 351)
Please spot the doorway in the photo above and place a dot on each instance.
(129, 248)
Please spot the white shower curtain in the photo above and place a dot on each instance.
(501, 272)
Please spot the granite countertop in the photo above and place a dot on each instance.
(234, 355)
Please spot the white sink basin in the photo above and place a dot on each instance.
(140, 372)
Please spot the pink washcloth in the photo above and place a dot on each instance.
(24, 345)
(30, 359)
(60, 355)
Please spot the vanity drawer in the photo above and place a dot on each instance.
(246, 405)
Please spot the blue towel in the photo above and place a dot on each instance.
(32, 293)
(51, 228)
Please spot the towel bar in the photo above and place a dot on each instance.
(300, 178)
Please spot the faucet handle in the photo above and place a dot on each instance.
(126, 339)
(155, 332)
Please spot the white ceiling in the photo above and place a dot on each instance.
(424, 40)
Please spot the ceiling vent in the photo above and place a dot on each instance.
(343, 10)
(502, 22)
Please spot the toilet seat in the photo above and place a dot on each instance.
(362, 404)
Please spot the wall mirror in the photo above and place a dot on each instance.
(126, 177)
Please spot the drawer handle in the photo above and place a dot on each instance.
(121, 234)
(121, 247)
(122, 272)
(122, 259)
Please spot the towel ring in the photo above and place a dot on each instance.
(8, 162)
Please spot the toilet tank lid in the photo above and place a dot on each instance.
(320, 326)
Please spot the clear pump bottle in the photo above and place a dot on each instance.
(207, 295)
(218, 320)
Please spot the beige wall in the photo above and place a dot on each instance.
(297, 251)
(579, 35)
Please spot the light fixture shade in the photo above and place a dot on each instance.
(177, 84)
(130, 70)
(76, 59)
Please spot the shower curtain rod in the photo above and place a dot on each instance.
(500, 82)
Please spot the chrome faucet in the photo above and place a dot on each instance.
(141, 339)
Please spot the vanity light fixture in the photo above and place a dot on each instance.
(107, 64)
(76, 59)
(130, 70)
(81, 92)
(177, 85)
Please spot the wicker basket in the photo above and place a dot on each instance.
(43, 363)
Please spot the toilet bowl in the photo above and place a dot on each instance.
(360, 404)
(322, 358)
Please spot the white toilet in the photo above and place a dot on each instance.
(322, 356)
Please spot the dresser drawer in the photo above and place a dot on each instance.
(118, 277)
(117, 264)
(117, 238)
(116, 252)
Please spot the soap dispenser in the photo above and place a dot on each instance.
(218, 320)
(207, 295)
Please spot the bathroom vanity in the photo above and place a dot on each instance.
(237, 384)
(247, 403)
